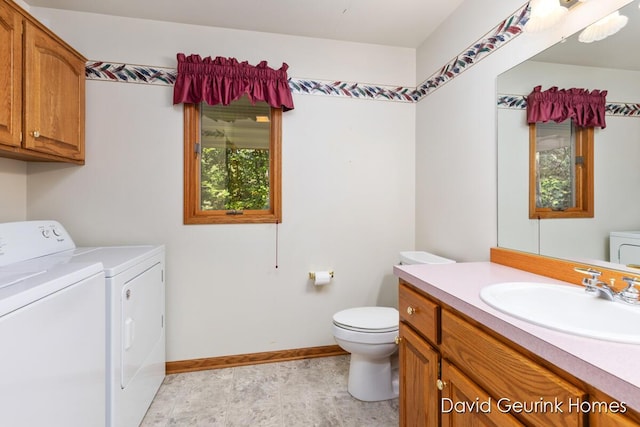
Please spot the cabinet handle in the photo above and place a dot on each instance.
(410, 310)
(398, 340)
(35, 134)
(440, 384)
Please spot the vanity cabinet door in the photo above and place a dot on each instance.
(464, 403)
(418, 374)
(507, 374)
(54, 96)
(610, 419)
(10, 76)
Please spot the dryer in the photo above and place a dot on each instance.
(624, 247)
(135, 304)
(135, 297)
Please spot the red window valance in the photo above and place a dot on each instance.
(585, 108)
(224, 80)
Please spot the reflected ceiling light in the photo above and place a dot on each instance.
(603, 28)
(544, 14)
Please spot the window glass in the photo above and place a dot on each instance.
(234, 170)
(560, 171)
(555, 178)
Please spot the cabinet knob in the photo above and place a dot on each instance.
(410, 310)
(440, 384)
(398, 340)
(35, 133)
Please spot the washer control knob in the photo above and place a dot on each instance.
(46, 233)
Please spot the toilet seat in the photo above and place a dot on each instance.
(368, 319)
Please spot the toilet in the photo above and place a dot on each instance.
(369, 334)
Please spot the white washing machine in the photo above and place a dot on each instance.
(135, 305)
(624, 247)
(52, 323)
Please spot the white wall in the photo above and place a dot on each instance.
(13, 190)
(616, 152)
(348, 187)
(456, 127)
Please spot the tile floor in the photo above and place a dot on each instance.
(300, 393)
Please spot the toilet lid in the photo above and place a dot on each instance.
(368, 319)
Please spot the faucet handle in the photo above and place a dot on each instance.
(631, 293)
(589, 272)
(591, 282)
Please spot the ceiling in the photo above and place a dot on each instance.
(405, 23)
(617, 51)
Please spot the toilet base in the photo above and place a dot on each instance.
(371, 380)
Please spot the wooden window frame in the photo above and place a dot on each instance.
(192, 212)
(584, 137)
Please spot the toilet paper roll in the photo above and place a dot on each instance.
(322, 278)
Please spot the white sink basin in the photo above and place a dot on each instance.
(567, 309)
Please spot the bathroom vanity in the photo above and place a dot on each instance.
(463, 362)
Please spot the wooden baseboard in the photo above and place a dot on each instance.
(192, 365)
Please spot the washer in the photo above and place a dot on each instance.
(135, 307)
(624, 247)
(52, 323)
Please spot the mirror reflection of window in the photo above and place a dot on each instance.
(560, 171)
(555, 177)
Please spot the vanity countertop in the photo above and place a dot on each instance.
(608, 366)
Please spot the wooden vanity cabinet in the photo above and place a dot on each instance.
(42, 91)
(482, 410)
(512, 379)
(450, 359)
(419, 398)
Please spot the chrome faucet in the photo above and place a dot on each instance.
(593, 285)
(631, 294)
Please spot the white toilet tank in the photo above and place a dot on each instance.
(419, 257)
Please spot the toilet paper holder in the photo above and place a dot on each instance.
(312, 275)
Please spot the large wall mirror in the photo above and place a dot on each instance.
(611, 64)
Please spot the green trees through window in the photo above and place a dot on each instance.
(234, 179)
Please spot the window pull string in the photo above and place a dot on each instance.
(277, 222)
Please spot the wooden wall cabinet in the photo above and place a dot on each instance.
(451, 360)
(42, 91)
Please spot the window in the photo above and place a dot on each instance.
(232, 162)
(560, 170)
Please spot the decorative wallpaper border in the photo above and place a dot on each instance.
(504, 32)
(519, 102)
(493, 40)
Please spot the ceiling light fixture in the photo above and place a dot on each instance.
(603, 28)
(544, 14)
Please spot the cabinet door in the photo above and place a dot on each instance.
(464, 403)
(54, 96)
(418, 375)
(610, 419)
(10, 76)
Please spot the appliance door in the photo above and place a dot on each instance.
(142, 320)
(52, 361)
(629, 254)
